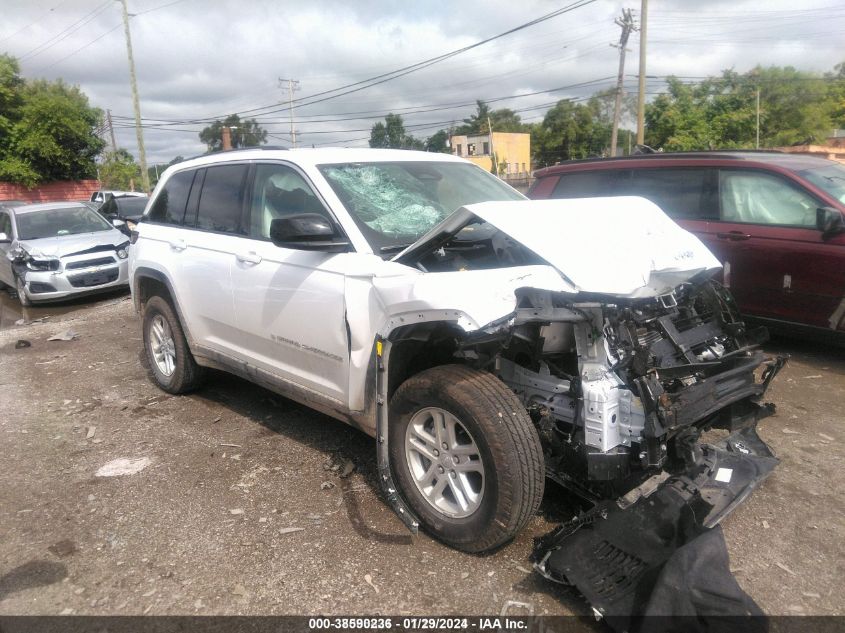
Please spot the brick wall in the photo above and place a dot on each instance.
(50, 191)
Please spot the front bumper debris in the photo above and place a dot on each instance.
(613, 553)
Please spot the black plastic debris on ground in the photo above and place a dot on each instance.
(662, 554)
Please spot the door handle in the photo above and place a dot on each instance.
(178, 245)
(248, 258)
(734, 236)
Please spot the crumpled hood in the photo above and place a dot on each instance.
(623, 246)
(63, 245)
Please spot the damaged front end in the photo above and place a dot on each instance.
(621, 391)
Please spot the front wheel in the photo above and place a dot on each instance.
(20, 289)
(466, 456)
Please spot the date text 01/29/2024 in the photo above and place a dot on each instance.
(425, 623)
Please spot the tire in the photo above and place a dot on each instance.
(486, 510)
(20, 289)
(172, 365)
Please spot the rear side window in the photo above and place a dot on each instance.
(591, 184)
(685, 194)
(169, 206)
(221, 200)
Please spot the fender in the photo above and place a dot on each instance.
(151, 273)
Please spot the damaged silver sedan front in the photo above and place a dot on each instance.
(59, 250)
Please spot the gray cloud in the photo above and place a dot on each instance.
(204, 58)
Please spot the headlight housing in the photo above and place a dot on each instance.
(42, 264)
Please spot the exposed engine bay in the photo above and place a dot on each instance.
(621, 382)
(618, 390)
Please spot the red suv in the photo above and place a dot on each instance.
(774, 220)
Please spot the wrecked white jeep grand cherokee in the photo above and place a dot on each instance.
(486, 341)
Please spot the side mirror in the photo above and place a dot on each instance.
(307, 232)
(116, 223)
(829, 221)
(5, 239)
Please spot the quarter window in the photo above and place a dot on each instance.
(221, 201)
(761, 198)
(277, 192)
(169, 206)
(6, 225)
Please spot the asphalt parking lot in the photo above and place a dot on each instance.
(247, 503)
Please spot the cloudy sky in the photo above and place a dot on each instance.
(202, 59)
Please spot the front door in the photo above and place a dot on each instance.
(289, 304)
(776, 262)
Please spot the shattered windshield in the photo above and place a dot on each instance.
(831, 179)
(33, 225)
(394, 203)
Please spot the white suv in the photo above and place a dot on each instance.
(485, 340)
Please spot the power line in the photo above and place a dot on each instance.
(406, 70)
(33, 23)
(64, 34)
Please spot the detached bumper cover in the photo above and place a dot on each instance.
(614, 553)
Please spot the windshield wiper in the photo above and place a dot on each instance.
(393, 248)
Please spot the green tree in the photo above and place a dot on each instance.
(569, 131)
(721, 112)
(119, 171)
(246, 133)
(155, 171)
(503, 120)
(438, 142)
(47, 129)
(391, 134)
(11, 84)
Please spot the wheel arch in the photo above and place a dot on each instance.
(149, 282)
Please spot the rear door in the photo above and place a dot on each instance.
(200, 251)
(776, 263)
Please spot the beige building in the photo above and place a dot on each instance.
(512, 150)
(833, 148)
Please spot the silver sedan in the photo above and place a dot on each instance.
(58, 250)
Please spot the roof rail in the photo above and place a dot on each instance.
(721, 153)
(240, 149)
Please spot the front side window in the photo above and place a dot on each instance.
(169, 205)
(221, 200)
(33, 225)
(756, 197)
(394, 203)
(279, 191)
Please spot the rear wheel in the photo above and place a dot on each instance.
(466, 456)
(171, 363)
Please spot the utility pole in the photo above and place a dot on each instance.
(627, 24)
(111, 132)
(142, 154)
(641, 86)
(293, 85)
(758, 119)
(493, 157)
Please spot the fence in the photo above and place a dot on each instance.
(50, 191)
